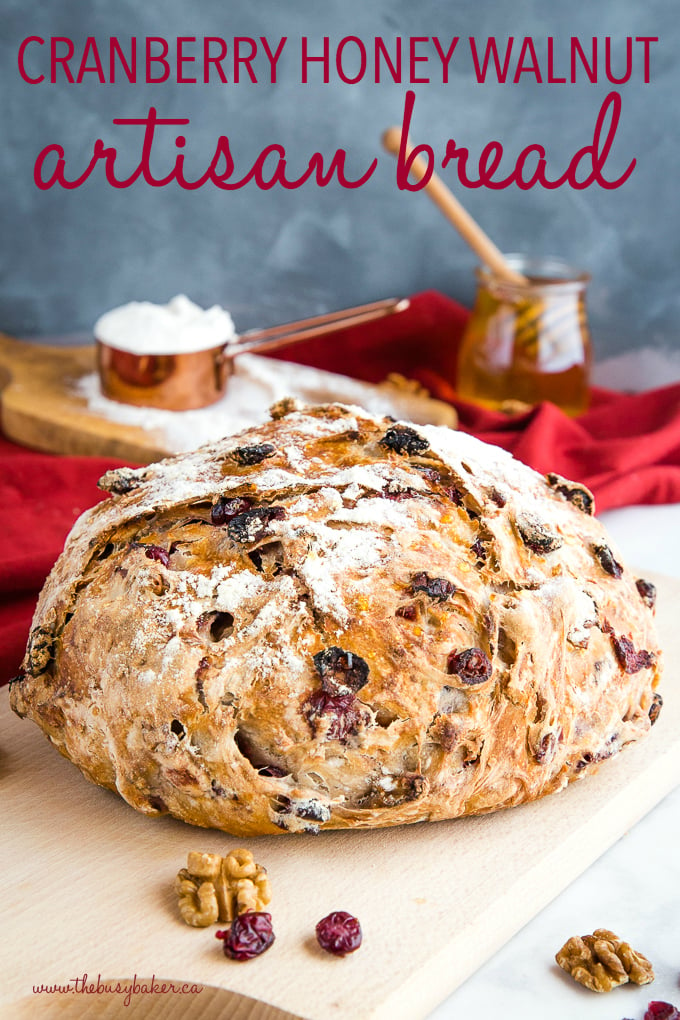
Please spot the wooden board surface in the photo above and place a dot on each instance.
(87, 887)
(40, 407)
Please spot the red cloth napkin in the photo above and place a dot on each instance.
(626, 448)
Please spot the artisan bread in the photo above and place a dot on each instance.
(337, 620)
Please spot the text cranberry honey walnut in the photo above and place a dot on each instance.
(414, 60)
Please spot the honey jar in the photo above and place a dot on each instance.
(527, 341)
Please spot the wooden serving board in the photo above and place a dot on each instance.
(39, 408)
(87, 887)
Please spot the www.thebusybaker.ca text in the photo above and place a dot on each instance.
(135, 986)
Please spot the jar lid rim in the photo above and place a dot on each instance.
(541, 270)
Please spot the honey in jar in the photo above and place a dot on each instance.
(527, 341)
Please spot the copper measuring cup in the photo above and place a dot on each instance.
(184, 382)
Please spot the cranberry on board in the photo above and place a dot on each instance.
(250, 935)
(339, 933)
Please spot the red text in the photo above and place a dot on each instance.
(531, 165)
(269, 169)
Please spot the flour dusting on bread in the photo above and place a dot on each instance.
(337, 620)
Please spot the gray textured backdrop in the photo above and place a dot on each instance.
(270, 256)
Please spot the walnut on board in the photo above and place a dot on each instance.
(214, 888)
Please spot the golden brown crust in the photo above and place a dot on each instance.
(334, 620)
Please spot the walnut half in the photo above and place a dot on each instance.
(213, 888)
(602, 961)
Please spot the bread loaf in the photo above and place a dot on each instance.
(336, 620)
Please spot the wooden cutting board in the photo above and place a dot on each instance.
(39, 408)
(87, 887)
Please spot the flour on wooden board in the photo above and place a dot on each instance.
(256, 384)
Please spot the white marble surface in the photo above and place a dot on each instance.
(633, 889)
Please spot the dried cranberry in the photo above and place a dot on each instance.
(251, 525)
(156, 552)
(629, 659)
(436, 587)
(472, 665)
(403, 439)
(299, 815)
(587, 758)
(606, 559)
(655, 709)
(408, 612)
(225, 510)
(340, 712)
(454, 494)
(249, 455)
(646, 591)
(249, 935)
(545, 751)
(311, 810)
(536, 535)
(572, 492)
(341, 672)
(497, 497)
(339, 933)
(479, 549)
(661, 1011)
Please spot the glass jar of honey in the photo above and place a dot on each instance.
(527, 341)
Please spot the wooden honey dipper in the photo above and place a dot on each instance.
(529, 318)
(489, 254)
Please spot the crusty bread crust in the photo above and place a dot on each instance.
(335, 620)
